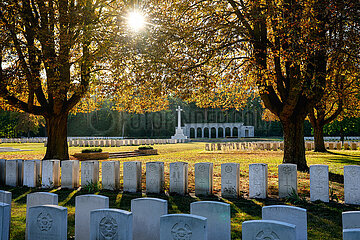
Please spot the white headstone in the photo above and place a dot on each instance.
(146, 217)
(267, 229)
(37, 199)
(352, 184)
(218, 218)
(288, 214)
(111, 224)
(12, 173)
(110, 175)
(155, 177)
(183, 226)
(179, 178)
(50, 173)
(319, 183)
(89, 172)
(6, 197)
(203, 179)
(230, 180)
(2, 172)
(5, 216)
(287, 179)
(47, 222)
(351, 220)
(258, 180)
(30, 173)
(20, 169)
(70, 174)
(84, 204)
(132, 176)
(351, 234)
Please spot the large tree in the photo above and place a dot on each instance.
(281, 49)
(48, 50)
(341, 99)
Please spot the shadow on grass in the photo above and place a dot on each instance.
(324, 219)
(334, 177)
(342, 154)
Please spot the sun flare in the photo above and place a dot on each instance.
(136, 21)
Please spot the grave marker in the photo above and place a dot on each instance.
(352, 184)
(218, 218)
(258, 180)
(111, 175)
(203, 179)
(89, 172)
(132, 176)
(84, 204)
(319, 183)
(267, 229)
(179, 178)
(70, 174)
(12, 173)
(287, 179)
(183, 227)
(47, 222)
(146, 217)
(114, 224)
(155, 177)
(230, 177)
(50, 173)
(288, 214)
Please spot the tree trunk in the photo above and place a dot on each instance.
(294, 144)
(57, 147)
(319, 138)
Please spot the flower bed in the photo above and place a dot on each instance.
(92, 156)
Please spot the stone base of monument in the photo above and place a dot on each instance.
(92, 156)
(179, 134)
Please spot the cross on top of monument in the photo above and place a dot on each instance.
(178, 109)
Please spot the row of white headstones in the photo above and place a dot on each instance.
(28, 173)
(96, 142)
(274, 146)
(119, 143)
(149, 220)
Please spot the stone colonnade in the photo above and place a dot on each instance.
(217, 130)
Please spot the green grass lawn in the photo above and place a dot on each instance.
(324, 219)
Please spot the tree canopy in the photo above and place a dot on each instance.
(286, 51)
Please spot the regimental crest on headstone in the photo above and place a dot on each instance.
(108, 227)
(181, 231)
(44, 221)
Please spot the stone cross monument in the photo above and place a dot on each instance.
(179, 110)
(179, 133)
